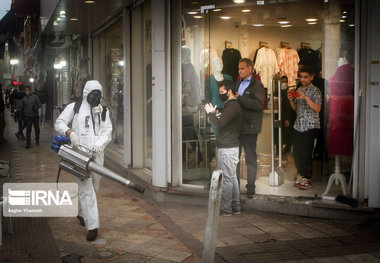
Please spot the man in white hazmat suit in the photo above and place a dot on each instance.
(91, 127)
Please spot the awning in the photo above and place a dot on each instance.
(25, 7)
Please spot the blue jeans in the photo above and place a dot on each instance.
(228, 159)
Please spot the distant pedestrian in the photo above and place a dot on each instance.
(30, 105)
(43, 96)
(228, 124)
(16, 100)
(2, 118)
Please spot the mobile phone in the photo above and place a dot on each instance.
(294, 94)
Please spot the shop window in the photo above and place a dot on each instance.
(108, 69)
(276, 37)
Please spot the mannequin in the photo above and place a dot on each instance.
(341, 87)
(212, 89)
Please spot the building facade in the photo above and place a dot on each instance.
(154, 59)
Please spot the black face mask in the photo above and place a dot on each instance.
(223, 97)
(93, 98)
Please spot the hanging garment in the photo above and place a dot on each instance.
(288, 59)
(266, 65)
(231, 57)
(341, 87)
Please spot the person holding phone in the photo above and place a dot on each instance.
(307, 104)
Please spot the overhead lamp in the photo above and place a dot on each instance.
(283, 22)
(311, 19)
(217, 10)
(312, 23)
(89, 1)
(14, 61)
(286, 26)
(63, 63)
(257, 25)
(55, 23)
(351, 25)
(62, 12)
(225, 17)
(344, 17)
(239, 1)
(344, 12)
(192, 12)
(31, 80)
(74, 19)
(57, 66)
(198, 17)
(246, 10)
(342, 20)
(59, 18)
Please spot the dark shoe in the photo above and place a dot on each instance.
(27, 146)
(251, 196)
(81, 220)
(222, 213)
(37, 142)
(22, 137)
(92, 234)
(17, 135)
(236, 212)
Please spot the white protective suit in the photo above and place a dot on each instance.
(89, 136)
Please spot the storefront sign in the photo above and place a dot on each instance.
(7, 76)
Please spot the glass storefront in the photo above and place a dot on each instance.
(277, 37)
(108, 67)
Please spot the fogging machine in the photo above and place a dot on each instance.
(80, 163)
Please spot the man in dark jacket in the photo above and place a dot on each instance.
(228, 123)
(250, 95)
(30, 105)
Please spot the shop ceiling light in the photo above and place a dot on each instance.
(344, 17)
(217, 10)
(257, 25)
(225, 17)
(312, 23)
(351, 25)
(192, 12)
(198, 17)
(55, 23)
(311, 19)
(59, 19)
(344, 12)
(342, 20)
(246, 10)
(239, 1)
(14, 61)
(283, 22)
(89, 1)
(286, 26)
(31, 80)
(74, 19)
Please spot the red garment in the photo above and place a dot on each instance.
(341, 87)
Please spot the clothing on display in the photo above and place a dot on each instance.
(288, 59)
(231, 57)
(313, 57)
(341, 87)
(212, 91)
(266, 65)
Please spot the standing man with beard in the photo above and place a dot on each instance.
(30, 105)
(250, 95)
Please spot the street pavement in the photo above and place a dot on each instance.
(136, 229)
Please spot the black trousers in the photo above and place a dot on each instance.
(248, 142)
(303, 146)
(29, 121)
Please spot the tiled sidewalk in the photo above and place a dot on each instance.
(135, 229)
